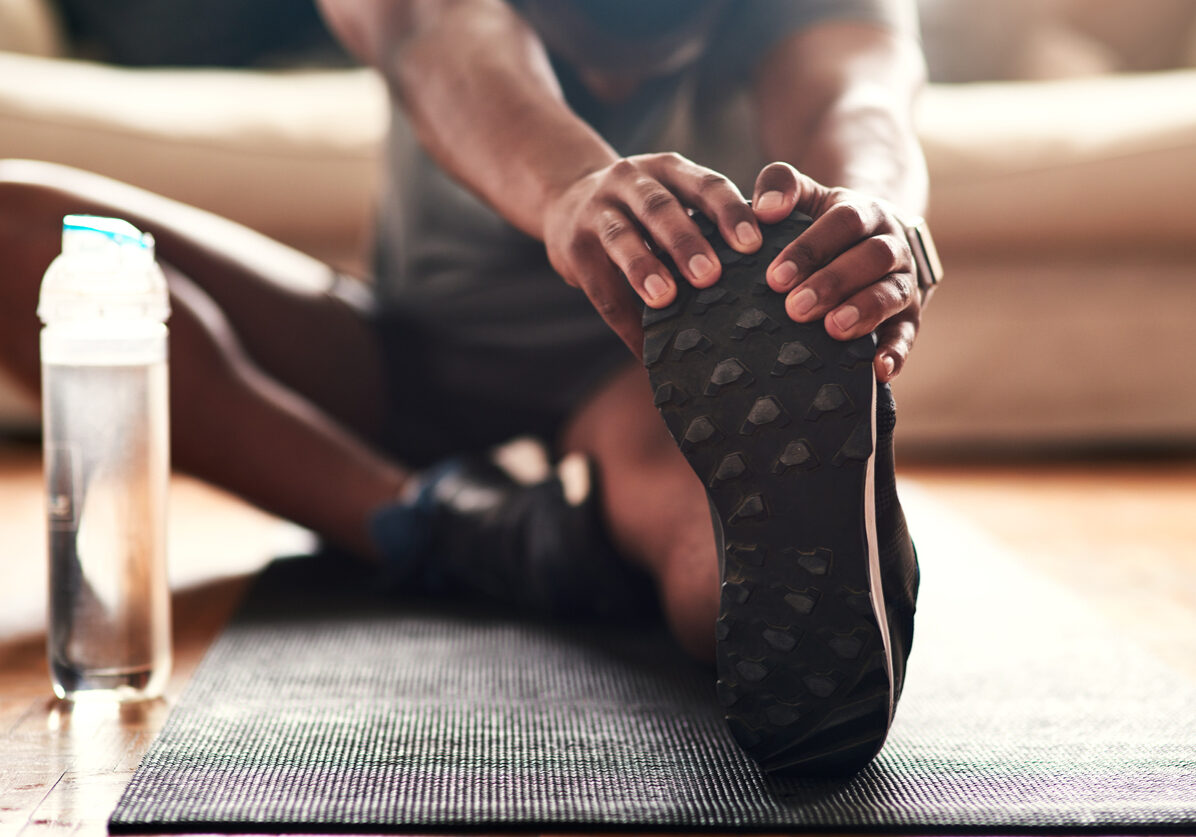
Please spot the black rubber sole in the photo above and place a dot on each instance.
(778, 421)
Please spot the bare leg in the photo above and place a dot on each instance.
(272, 389)
(656, 508)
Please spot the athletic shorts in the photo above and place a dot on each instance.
(472, 361)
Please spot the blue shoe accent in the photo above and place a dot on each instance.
(403, 532)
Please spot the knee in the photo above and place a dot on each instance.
(31, 212)
(35, 195)
(29, 241)
(25, 186)
(13, 173)
(36, 174)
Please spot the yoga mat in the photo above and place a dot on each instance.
(325, 708)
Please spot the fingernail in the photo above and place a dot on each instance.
(746, 234)
(784, 274)
(770, 201)
(701, 267)
(655, 286)
(804, 301)
(888, 365)
(846, 317)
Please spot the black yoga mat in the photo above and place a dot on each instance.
(323, 708)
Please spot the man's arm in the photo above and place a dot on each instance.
(479, 90)
(835, 101)
(478, 86)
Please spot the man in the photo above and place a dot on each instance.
(528, 148)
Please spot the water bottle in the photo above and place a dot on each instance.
(107, 462)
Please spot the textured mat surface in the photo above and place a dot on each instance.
(321, 708)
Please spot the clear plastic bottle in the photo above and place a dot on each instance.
(104, 304)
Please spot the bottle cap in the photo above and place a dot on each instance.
(106, 271)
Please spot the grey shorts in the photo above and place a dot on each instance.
(473, 361)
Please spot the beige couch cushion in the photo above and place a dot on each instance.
(1063, 164)
(294, 155)
(1062, 352)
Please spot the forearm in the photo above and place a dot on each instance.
(478, 88)
(866, 148)
(837, 103)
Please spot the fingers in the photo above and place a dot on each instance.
(879, 264)
(780, 189)
(646, 202)
(655, 191)
(714, 196)
(615, 304)
(650, 207)
(895, 339)
(852, 267)
(623, 244)
(864, 311)
(839, 228)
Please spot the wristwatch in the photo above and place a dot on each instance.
(926, 256)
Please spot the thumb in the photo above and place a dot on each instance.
(780, 189)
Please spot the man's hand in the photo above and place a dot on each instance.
(852, 266)
(607, 233)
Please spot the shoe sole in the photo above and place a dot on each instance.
(778, 421)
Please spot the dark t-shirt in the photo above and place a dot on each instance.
(486, 313)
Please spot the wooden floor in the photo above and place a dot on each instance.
(1123, 535)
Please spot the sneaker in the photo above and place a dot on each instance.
(779, 421)
(473, 531)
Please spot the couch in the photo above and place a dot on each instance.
(1061, 198)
